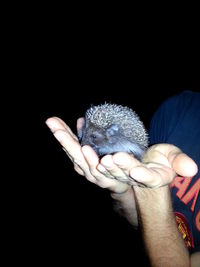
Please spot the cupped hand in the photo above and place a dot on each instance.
(86, 161)
(160, 164)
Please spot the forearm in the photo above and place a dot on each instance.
(163, 242)
(125, 205)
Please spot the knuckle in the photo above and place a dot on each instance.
(77, 162)
(78, 170)
(93, 172)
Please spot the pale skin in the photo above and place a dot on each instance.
(148, 193)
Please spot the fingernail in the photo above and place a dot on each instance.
(50, 124)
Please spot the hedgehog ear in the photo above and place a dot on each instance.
(112, 130)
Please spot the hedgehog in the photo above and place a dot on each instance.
(111, 128)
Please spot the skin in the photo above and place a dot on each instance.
(150, 188)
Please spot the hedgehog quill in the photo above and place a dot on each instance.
(111, 128)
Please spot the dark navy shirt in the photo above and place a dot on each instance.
(177, 122)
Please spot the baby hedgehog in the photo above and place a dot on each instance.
(111, 128)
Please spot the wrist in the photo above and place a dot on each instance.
(144, 193)
(122, 195)
(154, 201)
(124, 204)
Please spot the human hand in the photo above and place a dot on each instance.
(159, 166)
(86, 161)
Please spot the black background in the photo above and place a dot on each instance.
(67, 65)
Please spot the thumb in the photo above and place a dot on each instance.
(171, 155)
(79, 125)
(182, 164)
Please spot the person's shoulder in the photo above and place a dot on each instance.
(181, 100)
(188, 95)
(180, 107)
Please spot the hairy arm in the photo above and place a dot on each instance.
(125, 205)
(163, 242)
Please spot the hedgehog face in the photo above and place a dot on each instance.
(99, 138)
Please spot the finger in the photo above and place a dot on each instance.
(156, 155)
(88, 176)
(93, 161)
(184, 165)
(113, 169)
(153, 175)
(103, 170)
(103, 179)
(74, 152)
(69, 156)
(125, 161)
(56, 123)
(72, 148)
(78, 170)
(68, 142)
(86, 173)
(180, 162)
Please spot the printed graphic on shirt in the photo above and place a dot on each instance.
(186, 196)
(197, 221)
(182, 184)
(184, 230)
